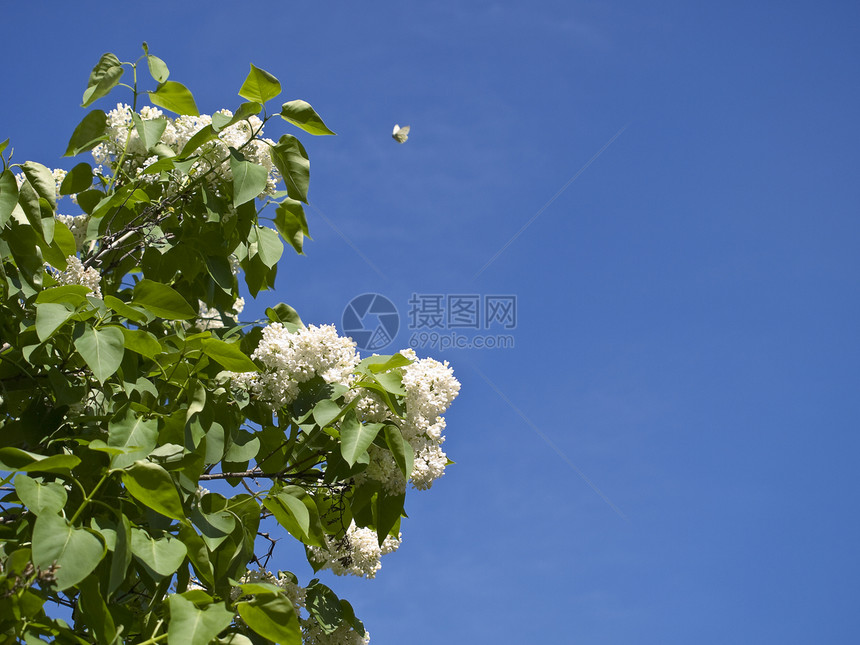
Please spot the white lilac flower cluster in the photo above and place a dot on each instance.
(291, 358)
(357, 553)
(430, 388)
(124, 142)
(75, 273)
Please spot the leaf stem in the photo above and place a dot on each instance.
(88, 498)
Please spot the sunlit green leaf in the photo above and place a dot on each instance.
(249, 180)
(301, 114)
(291, 223)
(161, 300)
(175, 97)
(42, 181)
(102, 349)
(272, 617)
(355, 437)
(103, 78)
(228, 355)
(157, 68)
(151, 485)
(192, 626)
(8, 196)
(135, 435)
(259, 86)
(160, 557)
(291, 159)
(50, 316)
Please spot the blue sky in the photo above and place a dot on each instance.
(687, 308)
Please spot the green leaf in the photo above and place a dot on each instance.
(77, 552)
(192, 626)
(375, 364)
(325, 412)
(202, 136)
(389, 508)
(355, 437)
(175, 97)
(272, 617)
(28, 462)
(291, 222)
(160, 557)
(141, 342)
(228, 355)
(88, 133)
(215, 524)
(324, 607)
(103, 78)
(121, 554)
(221, 121)
(49, 497)
(151, 485)
(8, 196)
(301, 114)
(63, 245)
(42, 181)
(291, 159)
(245, 447)
(283, 313)
(50, 316)
(117, 305)
(136, 436)
(102, 349)
(400, 449)
(157, 68)
(73, 294)
(95, 612)
(149, 130)
(304, 525)
(161, 300)
(391, 382)
(259, 86)
(267, 244)
(249, 180)
(77, 180)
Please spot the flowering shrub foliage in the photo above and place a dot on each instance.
(150, 442)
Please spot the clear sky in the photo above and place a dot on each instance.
(669, 452)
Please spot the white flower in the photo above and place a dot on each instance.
(430, 388)
(75, 273)
(246, 135)
(59, 175)
(211, 318)
(292, 358)
(357, 553)
(77, 224)
(430, 463)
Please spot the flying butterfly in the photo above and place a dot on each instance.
(400, 134)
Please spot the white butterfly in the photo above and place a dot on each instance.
(400, 134)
